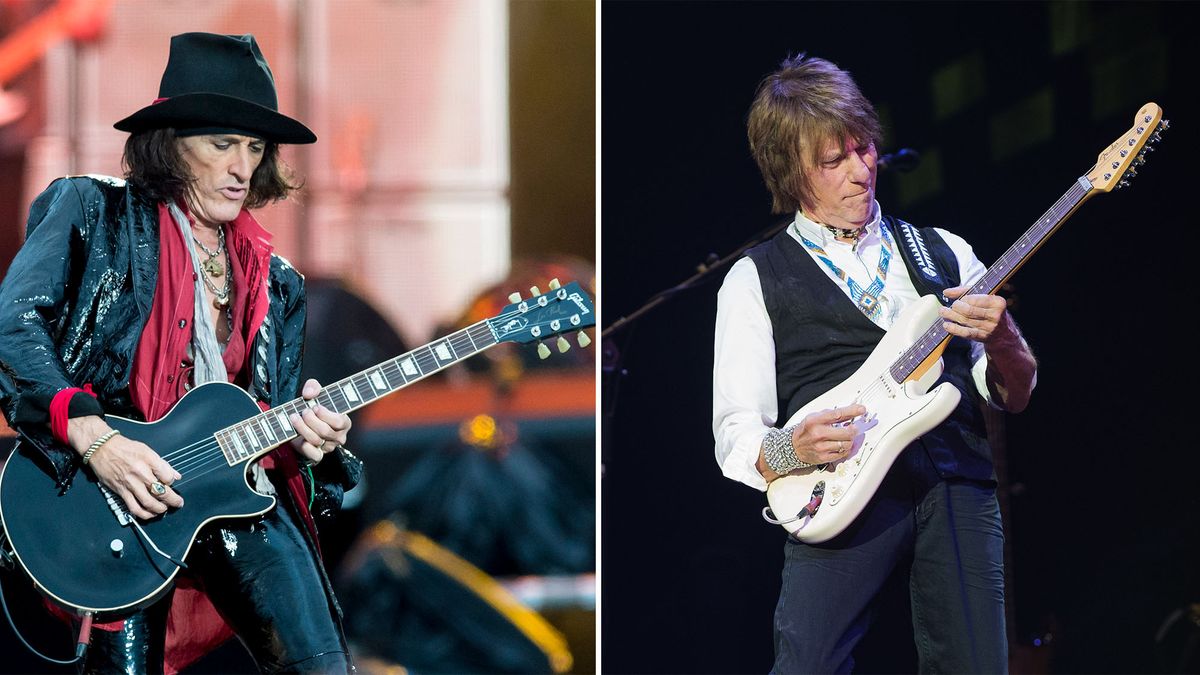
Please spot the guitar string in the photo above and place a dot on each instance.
(200, 454)
(185, 458)
(297, 405)
(1056, 212)
(207, 452)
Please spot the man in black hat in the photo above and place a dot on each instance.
(139, 290)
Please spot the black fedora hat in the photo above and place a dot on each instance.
(218, 83)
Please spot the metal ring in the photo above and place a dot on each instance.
(158, 488)
(841, 446)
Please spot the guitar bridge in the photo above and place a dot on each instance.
(117, 506)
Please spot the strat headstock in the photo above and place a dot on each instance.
(559, 310)
(1119, 162)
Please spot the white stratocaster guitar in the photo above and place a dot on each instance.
(817, 503)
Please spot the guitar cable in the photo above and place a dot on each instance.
(137, 527)
(80, 645)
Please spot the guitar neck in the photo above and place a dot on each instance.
(258, 435)
(935, 336)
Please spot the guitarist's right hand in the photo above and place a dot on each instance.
(127, 467)
(826, 436)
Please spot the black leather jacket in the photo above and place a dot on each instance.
(78, 295)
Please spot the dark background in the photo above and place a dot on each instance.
(1008, 104)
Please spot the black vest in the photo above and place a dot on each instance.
(821, 338)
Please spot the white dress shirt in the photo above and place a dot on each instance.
(745, 403)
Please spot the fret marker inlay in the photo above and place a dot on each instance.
(377, 380)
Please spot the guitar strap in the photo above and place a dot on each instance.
(931, 263)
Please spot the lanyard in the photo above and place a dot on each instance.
(867, 299)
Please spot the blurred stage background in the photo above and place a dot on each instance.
(455, 165)
(1007, 104)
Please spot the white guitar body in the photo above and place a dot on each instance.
(897, 414)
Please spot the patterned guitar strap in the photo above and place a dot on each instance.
(929, 259)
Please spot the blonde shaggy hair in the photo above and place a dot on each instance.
(798, 109)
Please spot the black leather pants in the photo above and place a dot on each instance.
(262, 577)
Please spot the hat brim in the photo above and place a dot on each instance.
(209, 110)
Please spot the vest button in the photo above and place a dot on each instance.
(183, 323)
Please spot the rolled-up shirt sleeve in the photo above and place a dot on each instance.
(745, 406)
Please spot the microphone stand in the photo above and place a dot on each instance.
(711, 264)
(610, 355)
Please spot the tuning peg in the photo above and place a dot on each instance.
(1155, 137)
(1140, 160)
(1131, 172)
(1122, 183)
(583, 339)
(554, 285)
(533, 290)
(543, 350)
(1164, 125)
(515, 297)
(563, 345)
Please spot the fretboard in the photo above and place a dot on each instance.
(997, 274)
(260, 434)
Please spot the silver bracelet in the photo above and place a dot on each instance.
(780, 454)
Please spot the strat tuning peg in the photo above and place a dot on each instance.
(563, 345)
(1131, 172)
(554, 285)
(1122, 183)
(533, 290)
(514, 297)
(1164, 125)
(1155, 137)
(583, 339)
(1140, 160)
(543, 350)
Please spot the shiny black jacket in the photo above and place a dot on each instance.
(77, 297)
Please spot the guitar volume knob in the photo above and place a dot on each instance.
(117, 547)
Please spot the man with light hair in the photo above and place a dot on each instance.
(796, 317)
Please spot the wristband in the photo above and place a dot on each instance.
(67, 404)
(780, 454)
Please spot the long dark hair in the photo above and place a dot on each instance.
(153, 163)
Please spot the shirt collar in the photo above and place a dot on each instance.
(817, 234)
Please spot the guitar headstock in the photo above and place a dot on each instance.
(561, 309)
(1119, 162)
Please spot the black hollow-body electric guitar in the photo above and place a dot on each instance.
(86, 553)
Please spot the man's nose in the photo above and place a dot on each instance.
(243, 165)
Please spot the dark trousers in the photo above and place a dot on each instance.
(262, 577)
(950, 532)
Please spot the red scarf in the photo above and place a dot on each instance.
(160, 369)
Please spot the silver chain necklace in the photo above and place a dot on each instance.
(212, 266)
